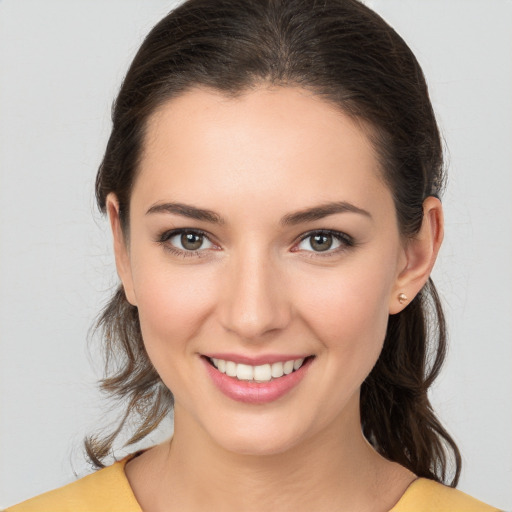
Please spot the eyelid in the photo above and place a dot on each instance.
(166, 235)
(164, 238)
(346, 242)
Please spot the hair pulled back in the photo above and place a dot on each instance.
(345, 53)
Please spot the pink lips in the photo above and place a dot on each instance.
(251, 392)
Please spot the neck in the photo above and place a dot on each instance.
(334, 470)
(266, 480)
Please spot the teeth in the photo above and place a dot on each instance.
(277, 370)
(230, 369)
(261, 373)
(288, 367)
(244, 372)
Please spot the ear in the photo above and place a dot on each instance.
(121, 250)
(420, 256)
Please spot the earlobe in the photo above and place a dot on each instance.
(121, 252)
(420, 256)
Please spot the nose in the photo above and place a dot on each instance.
(254, 302)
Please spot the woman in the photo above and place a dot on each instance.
(272, 183)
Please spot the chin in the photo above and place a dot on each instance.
(259, 439)
(260, 447)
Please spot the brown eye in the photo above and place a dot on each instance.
(191, 241)
(186, 241)
(321, 242)
(326, 241)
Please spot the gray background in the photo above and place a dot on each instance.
(61, 62)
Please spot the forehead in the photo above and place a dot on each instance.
(280, 143)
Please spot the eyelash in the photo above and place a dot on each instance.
(345, 240)
(164, 238)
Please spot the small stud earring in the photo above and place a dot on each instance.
(402, 298)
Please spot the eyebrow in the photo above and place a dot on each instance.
(321, 211)
(186, 210)
(291, 219)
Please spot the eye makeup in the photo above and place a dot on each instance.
(193, 242)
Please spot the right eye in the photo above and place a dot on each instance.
(186, 242)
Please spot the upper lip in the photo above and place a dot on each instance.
(255, 360)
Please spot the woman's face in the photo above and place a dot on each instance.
(261, 235)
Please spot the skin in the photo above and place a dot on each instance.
(258, 287)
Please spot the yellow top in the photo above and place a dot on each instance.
(108, 490)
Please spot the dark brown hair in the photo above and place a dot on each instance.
(345, 53)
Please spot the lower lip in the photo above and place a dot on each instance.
(251, 392)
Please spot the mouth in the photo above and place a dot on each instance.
(260, 373)
(265, 382)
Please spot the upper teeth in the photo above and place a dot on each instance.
(261, 373)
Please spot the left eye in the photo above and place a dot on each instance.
(189, 241)
(321, 241)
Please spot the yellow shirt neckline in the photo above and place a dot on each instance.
(422, 495)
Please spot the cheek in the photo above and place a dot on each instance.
(347, 309)
(172, 302)
(348, 298)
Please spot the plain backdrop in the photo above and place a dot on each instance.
(61, 63)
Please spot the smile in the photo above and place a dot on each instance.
(260, 383)
(260, 373)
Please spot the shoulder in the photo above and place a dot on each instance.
(425, 495)
(107, 490)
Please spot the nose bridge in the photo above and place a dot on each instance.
(255, 300)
